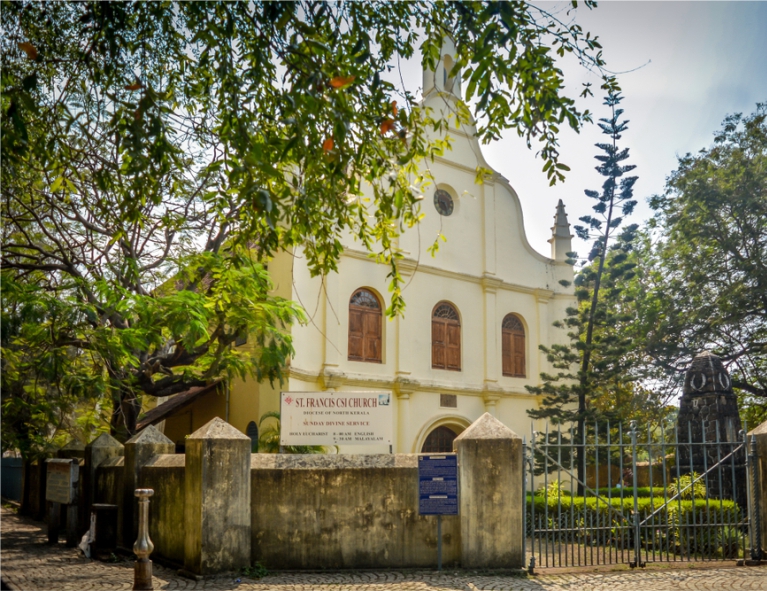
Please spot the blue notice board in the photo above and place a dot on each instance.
(438, 484)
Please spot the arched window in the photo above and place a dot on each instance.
(364, 327)
(439, 441)
(513, 347)
(445, 338)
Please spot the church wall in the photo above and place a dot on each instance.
(244, 403)
(462, 251)
(308, 340)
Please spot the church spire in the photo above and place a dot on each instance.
(561, 239)
(445, 78)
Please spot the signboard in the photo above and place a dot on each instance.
(61, 482)
(438, 484)
(335, 418)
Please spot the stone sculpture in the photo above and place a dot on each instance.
(708, 413)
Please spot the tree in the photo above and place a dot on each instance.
(598, 346)
(157, 154)
(269, 439)
(704, 283)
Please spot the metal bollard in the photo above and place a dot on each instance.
(142, 575)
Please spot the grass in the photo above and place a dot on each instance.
(257, 571)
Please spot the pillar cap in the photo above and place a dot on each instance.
(104, 440)
(74, 444)
(218, 429)
(149, 435)
(760, 430)
(487, 427)
(706, 374)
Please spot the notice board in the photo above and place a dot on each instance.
(437, 484)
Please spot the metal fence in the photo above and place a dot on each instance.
(639, 497)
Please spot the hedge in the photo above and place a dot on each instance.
(683, 527)
(646, 505)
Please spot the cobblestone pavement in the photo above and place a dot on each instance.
(28, 564)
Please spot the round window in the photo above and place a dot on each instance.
(443, 202)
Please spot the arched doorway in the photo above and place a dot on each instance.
(440, 440)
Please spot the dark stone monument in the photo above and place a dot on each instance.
(708, 429)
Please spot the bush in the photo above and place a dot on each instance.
(700, 527)
(554, 489)
(642, 491)
(683, 484)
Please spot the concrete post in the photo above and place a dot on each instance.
(217, 499)
(139, 450)
(490, 476)
(103, 448)
(76, 519)
(761, 451)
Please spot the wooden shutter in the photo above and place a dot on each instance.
(519, 355)
(356, 340)
(453, 346)
(438, 344)
(372, 335)
(508, 358)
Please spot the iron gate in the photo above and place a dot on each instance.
(640, 497)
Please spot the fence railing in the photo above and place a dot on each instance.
(610, 495)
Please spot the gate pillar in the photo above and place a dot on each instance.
(760, 433)
(491, 504)
(217, 499)
(139, 450)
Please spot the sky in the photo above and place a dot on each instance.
(682, 66)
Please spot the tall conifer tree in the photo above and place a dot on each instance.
(598, 351)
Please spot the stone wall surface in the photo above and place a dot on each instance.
(109, 488)
(342, 511)
(109, 482)
(139, 450)
(33, 489)
(219, 508)
(165, 475)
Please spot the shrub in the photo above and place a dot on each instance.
(642, 491)
(554, 489)
(684, 485)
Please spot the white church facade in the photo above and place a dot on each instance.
(475, 315)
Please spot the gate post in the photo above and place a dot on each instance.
(491, 501)
(637, 549)
(98, 451)
(217, 499)
(758, 471)
(139, 450)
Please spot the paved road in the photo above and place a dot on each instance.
(29, 564)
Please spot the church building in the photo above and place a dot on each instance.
(475, 315)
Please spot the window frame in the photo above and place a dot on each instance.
(365, 313)
(446, 345)
(515, 352)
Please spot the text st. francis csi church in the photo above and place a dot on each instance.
(332, 418)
